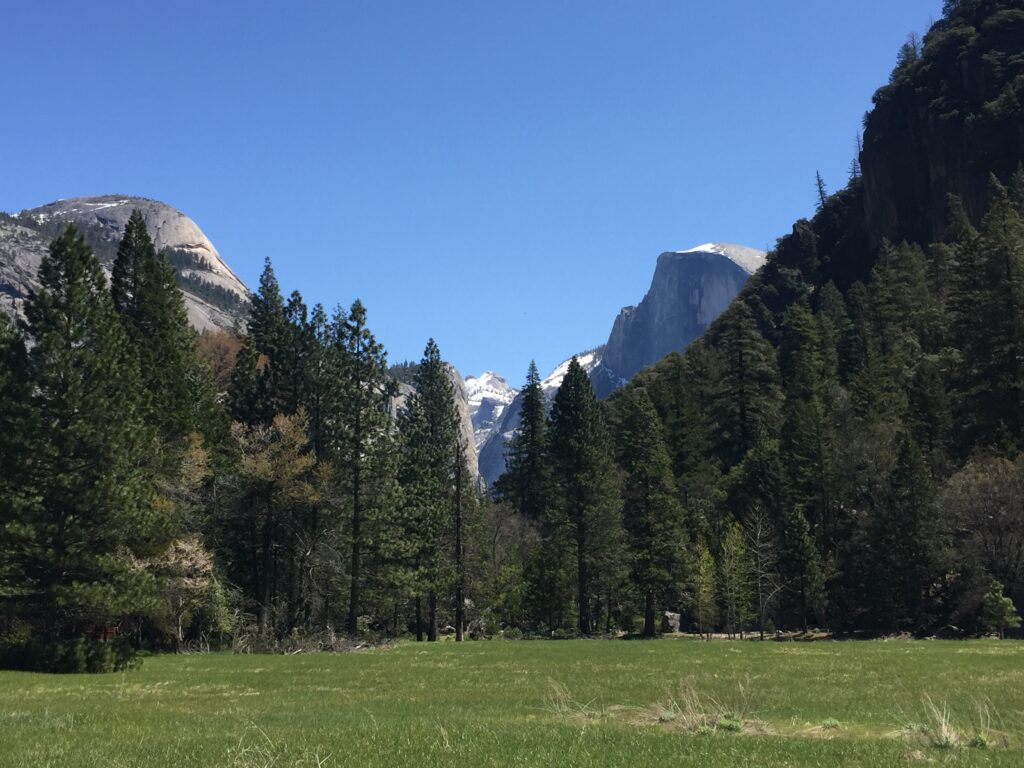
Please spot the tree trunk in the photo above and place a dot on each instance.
(649, 629)
(419, 621)
(432, 617)
(357, 552)
(583, 579)
(460, 603)
(266, 560)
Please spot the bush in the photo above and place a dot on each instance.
(80, 655)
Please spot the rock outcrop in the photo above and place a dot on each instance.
(214, 295)
(689, 290)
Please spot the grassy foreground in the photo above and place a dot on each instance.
(571, 703)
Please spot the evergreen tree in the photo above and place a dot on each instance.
(16, 443)
(431, 451)
(652, 515)
(1001, 373)
(260, 383)
(749, 399)
(135, 247)
(177, 385)
(585, 486)
(72, 549)
(905, 547)
(525, 481)
(929, 415)
(801, 567)
(805, 435)
(692, 434)
(363, 438)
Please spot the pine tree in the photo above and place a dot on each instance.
(750, 396)
(905, 546)
(822, 192)
(135, 247)
(652, 515)
(431, 451)
(805, 435)
(16, 444)
(1001, 247)
(585, 485)
(929, 415)
(73, 548)
(692, 435)
(525, 481)
(178, 388)
(801, 566)
(259, 384)
(363, 434)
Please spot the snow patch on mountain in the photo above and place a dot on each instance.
(489, 395)
(588, 361)
(748, 259)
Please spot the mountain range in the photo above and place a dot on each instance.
(689, 290)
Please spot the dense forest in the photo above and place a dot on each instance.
(841, 451)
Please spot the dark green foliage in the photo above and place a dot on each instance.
(651, 512)
(262, 386)
(178, 390)
(432, 460)
(749, 398)
(525, 482)
(585, 492)
(76, 656)
(360, 438)
(211, 293)
(89, 508)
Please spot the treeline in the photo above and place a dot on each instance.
(842, 450)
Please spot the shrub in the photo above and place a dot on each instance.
(76, 656)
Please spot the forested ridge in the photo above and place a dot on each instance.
(859, 406)
(840, 451)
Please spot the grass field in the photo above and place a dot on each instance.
(569, 703)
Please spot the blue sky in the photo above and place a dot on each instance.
(501, 176)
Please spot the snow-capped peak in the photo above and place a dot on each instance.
(489, 395)
(490, 385)
(748, 259)
(588, 361)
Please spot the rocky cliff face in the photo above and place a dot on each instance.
(688, 291)
(949, 117)
(214, 295)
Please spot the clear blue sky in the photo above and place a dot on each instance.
(501, 176)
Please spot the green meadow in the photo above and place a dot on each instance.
(538, 703)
